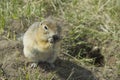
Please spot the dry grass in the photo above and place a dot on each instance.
(92, 39)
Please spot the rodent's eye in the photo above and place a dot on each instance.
(45, 27)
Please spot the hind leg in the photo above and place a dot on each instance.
(28, 54)
(51, 60)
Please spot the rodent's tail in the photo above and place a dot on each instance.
(20, 37)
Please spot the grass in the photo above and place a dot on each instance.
(92, 28)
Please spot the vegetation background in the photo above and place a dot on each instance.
(90, 46)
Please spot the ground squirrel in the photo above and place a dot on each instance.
(41, 42)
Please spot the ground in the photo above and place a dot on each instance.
(14, 66)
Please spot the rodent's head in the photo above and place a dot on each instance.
(49, 31)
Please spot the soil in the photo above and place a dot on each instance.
(13, 64)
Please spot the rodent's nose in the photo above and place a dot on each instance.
(56, 37)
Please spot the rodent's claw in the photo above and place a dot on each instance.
(51, 40)
(34, 65)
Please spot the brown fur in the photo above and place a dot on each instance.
(40, 43)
